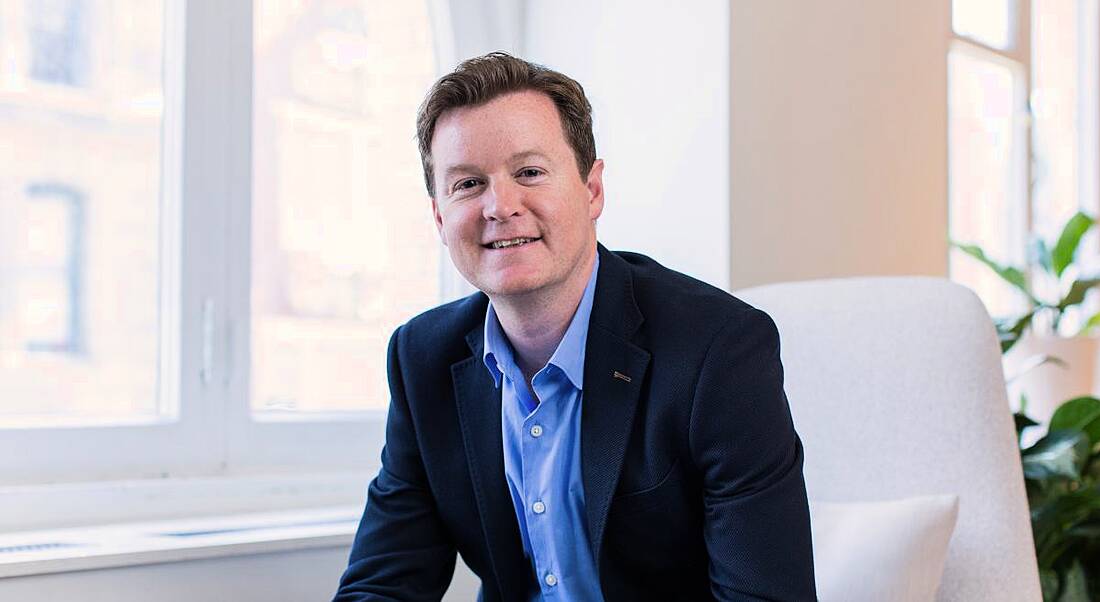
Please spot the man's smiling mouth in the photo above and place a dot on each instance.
(511, 242)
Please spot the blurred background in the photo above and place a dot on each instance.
(212, 214)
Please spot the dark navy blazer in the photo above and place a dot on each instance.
(692, 469)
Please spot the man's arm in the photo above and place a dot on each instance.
(401, 550)
(757, 522)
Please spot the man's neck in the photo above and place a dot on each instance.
(536, 323)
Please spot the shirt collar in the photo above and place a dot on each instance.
(569, 355)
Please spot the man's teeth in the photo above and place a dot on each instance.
(500, 244)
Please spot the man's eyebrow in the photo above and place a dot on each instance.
(467, 168)
(527, 154)
(463, 168)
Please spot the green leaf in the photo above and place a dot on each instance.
(1059, 454)
(1075, 587)
(1048, 580)
(1022, 422)
(1080, 414)
(1077, 292)
(1092, 322)
(1032, 363)
(1040, 254)
(1010, 274)
(1054, 519)
(1066, 247)
(1090, 531)
(1010, 332)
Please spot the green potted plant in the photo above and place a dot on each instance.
(1062, 475)
(1054, 287)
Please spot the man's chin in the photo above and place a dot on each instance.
(510, 287)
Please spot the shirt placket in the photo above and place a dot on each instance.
(540, 430)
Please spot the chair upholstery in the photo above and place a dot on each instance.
(896, 388)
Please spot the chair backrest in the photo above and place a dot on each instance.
(896, 388)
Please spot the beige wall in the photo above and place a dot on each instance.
(838, 139)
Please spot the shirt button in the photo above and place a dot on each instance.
(538, 507)
(551, 580)
(536, 431)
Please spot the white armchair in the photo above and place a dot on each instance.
(896, 388)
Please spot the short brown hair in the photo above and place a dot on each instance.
(481, 79)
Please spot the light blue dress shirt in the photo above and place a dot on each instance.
(542, 455)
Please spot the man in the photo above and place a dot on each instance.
(591, 425)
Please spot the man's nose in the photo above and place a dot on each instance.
(503, 201)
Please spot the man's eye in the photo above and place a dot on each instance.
(465, 184)
(530, 172)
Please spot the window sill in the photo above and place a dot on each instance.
(100, 503)
(129, 544)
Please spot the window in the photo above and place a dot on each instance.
(211, 239)
(1022, 123)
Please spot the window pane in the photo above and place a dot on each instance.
(991, 22)
(1054, 73)
(344, 248)
(79, 210)
(986, 144)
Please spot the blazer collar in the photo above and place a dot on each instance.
(613, 309)
(614, 372)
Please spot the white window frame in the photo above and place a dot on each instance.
(205, 296)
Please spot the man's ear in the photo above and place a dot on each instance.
(594, 184)
(438, 221)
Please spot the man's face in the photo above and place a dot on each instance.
(504, 171)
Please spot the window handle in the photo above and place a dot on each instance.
(207, 371)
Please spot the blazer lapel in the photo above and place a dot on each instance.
(478, 402)
(614, 370)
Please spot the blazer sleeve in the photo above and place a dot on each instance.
(742, 438)
(401, 550)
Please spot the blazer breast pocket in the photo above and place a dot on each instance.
(665, 491)
(657, 531)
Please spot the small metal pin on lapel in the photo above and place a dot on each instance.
(620, 376)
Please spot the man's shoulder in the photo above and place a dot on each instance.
(663, 294)
(443, 329)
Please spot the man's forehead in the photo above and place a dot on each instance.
(525, 104)
(521, 118)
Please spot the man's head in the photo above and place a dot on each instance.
(478, 80)
(509, 156)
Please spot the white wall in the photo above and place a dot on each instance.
(838, 139)
(657, 74)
